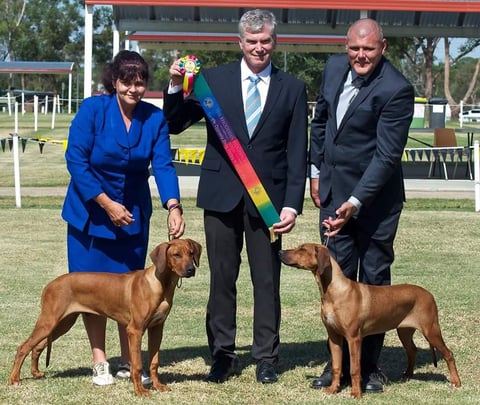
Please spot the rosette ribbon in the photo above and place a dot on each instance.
(189, 66)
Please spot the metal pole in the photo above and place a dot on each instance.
(16, 161)
(476, 167)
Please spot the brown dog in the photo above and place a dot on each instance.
(353, 310)
(139, 299)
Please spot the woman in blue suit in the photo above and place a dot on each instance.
(113, 140)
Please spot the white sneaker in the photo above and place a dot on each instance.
(124, 374)
(123, 371)
(146, 379)
(101, 374)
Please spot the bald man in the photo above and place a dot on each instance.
(358, 134)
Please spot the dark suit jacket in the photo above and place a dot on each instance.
(277, 149)
(363, 156)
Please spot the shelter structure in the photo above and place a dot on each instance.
(42, 68)
(303, 24)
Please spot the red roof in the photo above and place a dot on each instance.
(36, 67)
(406, 5)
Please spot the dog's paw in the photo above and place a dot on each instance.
(161, 387)
(143, 392)
(356, 394)
(406, 376)
(37, 374)
(332, 389)
(14, 383)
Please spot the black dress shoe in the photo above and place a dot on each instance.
(266, 373)
(223, 369)
(375, 382)
(325, 379)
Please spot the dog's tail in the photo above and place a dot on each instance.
(49, 350)
(434, 355)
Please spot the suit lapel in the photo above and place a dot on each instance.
(122, 137)
(135, 132)
(362, 94)
(116, 123)
(235, 87)
(232, 106)
(338, 84)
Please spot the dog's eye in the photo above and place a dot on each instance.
(177, 255)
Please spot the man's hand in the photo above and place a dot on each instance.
(333, 225)
(287, 222)
(176, 76)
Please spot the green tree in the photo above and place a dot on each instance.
(305, 66)
(469, 91)
(461, 75)
(454, 79)
(50, 33)
(36, 31)
(12, 12)
(102, 36)
(415, 57)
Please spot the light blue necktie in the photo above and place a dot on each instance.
(253, 107)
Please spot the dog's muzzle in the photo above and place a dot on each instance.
(189, 272)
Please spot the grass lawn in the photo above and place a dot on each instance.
(436, 247)
(427, 253)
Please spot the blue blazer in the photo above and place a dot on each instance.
(277, 149)
(102, 157)
(363, 156)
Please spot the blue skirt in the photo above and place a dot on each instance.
(89, 253)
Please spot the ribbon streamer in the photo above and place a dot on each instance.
(237, 155)
(189, 66)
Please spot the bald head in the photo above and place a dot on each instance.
(365, 27)
(365, 46)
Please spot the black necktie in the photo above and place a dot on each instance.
(357, 83)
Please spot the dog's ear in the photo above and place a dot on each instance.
(159, 257)
(197, 251)
(323, 258)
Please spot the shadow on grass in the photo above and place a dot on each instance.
(310, 355)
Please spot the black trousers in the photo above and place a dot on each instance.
(225, 236)
(364, 251)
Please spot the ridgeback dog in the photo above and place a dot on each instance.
(139, 299)
(352, 310)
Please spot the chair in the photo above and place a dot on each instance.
(446, 138)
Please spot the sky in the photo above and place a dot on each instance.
(456, 43)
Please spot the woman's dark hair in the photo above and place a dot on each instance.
(126, 66)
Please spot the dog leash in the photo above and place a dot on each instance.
(327, 239)
(169, 226)
(170, 237)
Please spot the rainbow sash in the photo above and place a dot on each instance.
(237, 155)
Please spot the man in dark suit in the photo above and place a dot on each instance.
(277, 150)
(358, 136)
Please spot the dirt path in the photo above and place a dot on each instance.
(431, 188)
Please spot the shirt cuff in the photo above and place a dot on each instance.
(291, 210)
(174, 89)
(355, 201)
(314, 172)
